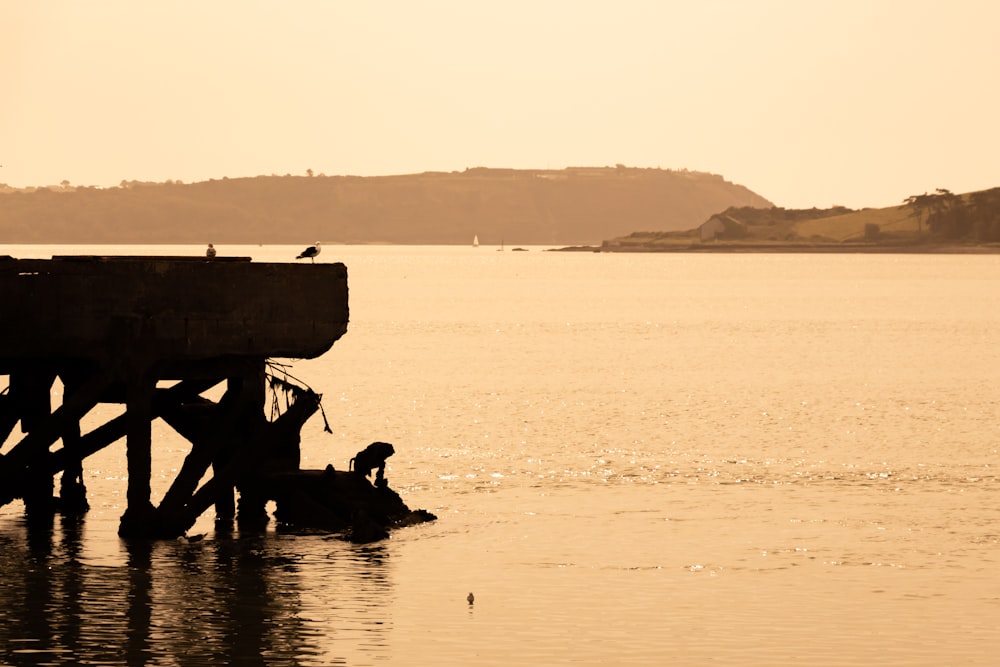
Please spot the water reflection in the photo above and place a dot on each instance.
(229, 599)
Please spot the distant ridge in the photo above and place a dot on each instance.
(547, 207)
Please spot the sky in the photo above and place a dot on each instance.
(806, 102)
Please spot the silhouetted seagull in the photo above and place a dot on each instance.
(471, 598)
(310, 252)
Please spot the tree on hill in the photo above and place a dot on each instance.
(951, 216)
(945, 212)
(986, 206)
(919, 206)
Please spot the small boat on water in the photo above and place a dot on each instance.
(475, 241)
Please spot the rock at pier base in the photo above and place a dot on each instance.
(339, 502)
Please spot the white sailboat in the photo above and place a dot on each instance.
(475, 241)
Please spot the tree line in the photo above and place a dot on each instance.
(975, 216)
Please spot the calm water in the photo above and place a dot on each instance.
(636, 459)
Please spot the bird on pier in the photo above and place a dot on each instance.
(310, 252)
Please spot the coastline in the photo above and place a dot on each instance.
(926, 249)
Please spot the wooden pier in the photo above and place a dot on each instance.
(155, 334)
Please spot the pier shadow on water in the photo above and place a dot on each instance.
(224, 600)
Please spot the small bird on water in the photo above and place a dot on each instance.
(310, 252)
(471, 598)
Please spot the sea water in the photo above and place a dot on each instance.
(652, 459)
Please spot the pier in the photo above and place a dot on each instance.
(154, 334)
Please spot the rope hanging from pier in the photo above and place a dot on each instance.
(291, 387)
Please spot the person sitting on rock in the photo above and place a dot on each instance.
(371, 457)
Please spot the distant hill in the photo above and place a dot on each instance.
(547, 207)
(930, 222)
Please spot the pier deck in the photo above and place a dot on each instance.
(111, 328)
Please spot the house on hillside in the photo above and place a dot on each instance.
(721, 226)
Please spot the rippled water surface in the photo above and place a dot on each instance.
(635, 459)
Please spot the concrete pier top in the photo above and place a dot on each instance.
(168, 308)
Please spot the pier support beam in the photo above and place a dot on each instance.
(139, 515)
(72, 489)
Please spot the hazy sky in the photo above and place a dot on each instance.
(806, 102)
